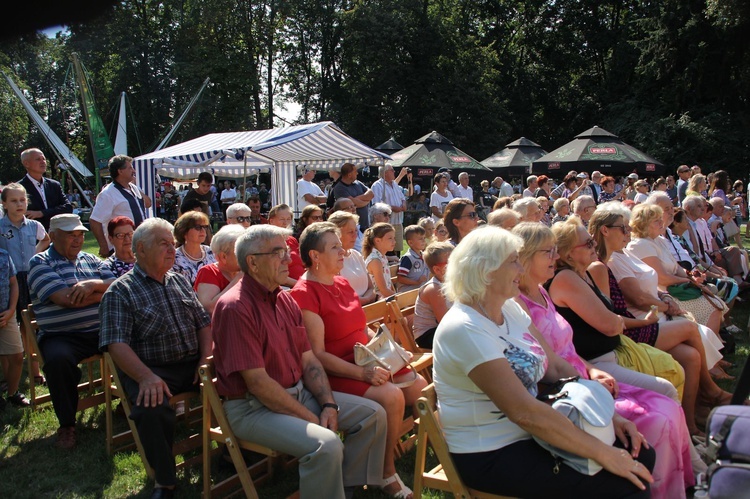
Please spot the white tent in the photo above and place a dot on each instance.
(282, 151)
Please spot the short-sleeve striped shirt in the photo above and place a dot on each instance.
(50, 272)
(159, 321)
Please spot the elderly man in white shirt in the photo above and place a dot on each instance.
(532, 185)
(386, 190)
(463, 189)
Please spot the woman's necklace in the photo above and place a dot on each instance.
(325, 286)
(505, 320)
(534, 295)
(191, 257)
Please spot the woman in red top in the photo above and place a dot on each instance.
(281, 216)
(214, 280)
(335, 321)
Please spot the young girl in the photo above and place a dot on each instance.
(379, 240)
(428, 224)
(22, 238)
(441, 233)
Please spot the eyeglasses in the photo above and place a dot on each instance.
(471, 215)
(124, 235)
(200, 227)
(624, 228)
(281, 253)
(316, 217)
(242, 219)
(550, 252)
(589, 244)
(386, 213)
(442, 231)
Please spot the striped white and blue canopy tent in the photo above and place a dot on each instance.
(282, 151)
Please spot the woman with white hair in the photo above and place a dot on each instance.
(528, 209)
(239, 213)
(212, 281)
(380, 212)
(505, 218)
(354, 269)
(487, 364)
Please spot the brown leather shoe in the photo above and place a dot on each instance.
(66, 437)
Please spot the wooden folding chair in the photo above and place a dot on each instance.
(92, 386)
(131, 437)
(394, 275)
(377, 313)
(216, 428)
(399, 326)
(444, 476)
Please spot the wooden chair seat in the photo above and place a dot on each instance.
(444, 476)
(216, 428)
(92, 386)
(130, 438)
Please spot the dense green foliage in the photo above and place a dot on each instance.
(669, 77)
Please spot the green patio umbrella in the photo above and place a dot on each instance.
(597, 149)
(432, 152)
(390, 146)
(515, 160)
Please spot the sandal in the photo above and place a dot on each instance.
(725, 364)
(404, 493)
(723, 398)
(718, 373)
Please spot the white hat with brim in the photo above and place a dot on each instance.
(634, 176)
(67, 222)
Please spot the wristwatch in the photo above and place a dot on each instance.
(331, 405)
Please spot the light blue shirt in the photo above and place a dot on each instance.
(7, 270)
(20, 242)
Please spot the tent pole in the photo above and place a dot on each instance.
(244, 175)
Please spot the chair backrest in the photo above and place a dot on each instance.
(430, 432)
(444, 476)
(407, 300)
(30, 329)
(400, 328)
(376, 311)
(394, 269)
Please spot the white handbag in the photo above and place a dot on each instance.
(383, 351)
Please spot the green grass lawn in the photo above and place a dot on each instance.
(30, 467)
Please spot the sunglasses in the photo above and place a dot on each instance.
(242, 219)
(316, 217)
(200, 227)
(589, 244)
(624, 228)
(471, 215)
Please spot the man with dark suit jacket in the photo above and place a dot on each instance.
(46, 197)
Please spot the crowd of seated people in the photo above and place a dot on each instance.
(512, 293)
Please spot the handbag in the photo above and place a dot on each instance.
(684, 291)
(383, 351)
(728, 451)
(590, 407)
